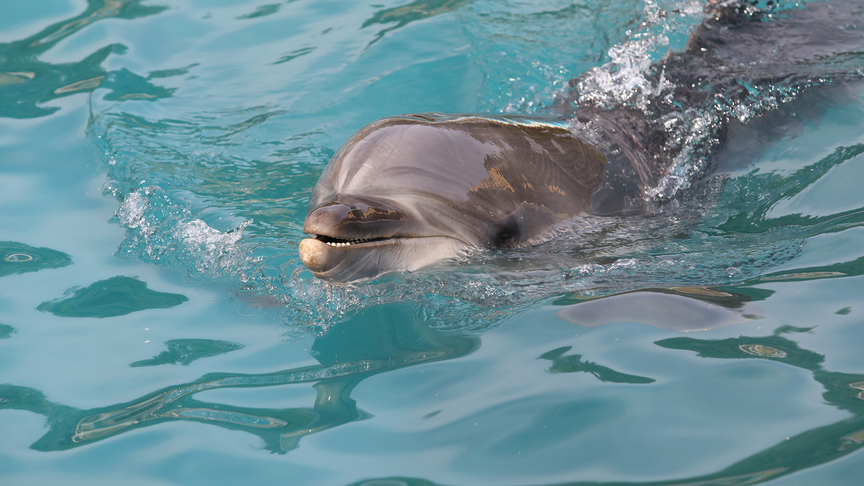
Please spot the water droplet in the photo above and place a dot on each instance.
(293, 336)
(111, 188)
(733, 272)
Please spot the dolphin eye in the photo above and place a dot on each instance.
(505, 232)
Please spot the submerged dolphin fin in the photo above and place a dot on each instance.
(676, 308)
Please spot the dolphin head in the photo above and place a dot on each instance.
(405, 192)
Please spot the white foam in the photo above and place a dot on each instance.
(169, 233)
(132, 212)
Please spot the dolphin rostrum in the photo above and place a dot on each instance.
(407, 191)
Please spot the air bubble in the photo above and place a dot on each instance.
(111, 188)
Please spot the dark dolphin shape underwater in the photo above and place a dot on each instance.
(408, 191)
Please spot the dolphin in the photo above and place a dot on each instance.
(407, 191)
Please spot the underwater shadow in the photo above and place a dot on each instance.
(682, 309)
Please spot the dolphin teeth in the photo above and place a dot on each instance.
(343, 242)
(346, 243)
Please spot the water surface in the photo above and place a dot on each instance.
(156, 326)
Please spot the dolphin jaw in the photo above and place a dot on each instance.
(354, 237)
(346, 261)
(321, 253)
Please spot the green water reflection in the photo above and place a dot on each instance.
(779, 186)
(393, 337)
(803, 451)
(116, 296)
(28, 84)
(405, 14)
(185, 351)
(261, 11)
(574, 363)
(20, 258)
(6, 331)
(346, 356)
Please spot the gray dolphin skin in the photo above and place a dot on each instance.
(408, 191)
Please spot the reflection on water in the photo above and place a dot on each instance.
(261, 11)
(842, 269)
(347, 356)
(574, 363)
(6, 331)
(748, 218)
(762, 350)
(20, 258)
(402, 337)
(116, 296)
(810, 448)
(185, 351)
(30, 84)
(405, 14)
(805, 450)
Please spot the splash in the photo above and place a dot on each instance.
(625, 78)
(691, 98)
(161, 229)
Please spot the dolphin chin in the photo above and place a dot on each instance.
(355, 260)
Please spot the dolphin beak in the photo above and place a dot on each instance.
(355, 238)
(343, 224)
(325, 219)
(348, 218)
(358, 237)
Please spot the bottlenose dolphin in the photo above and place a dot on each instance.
(407, 191)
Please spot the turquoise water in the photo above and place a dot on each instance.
(156, 326)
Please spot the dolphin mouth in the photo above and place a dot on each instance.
(347, 260)
(343, 243)
(355, 237)
(329, 257)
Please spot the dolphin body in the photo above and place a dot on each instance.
(408, 191)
